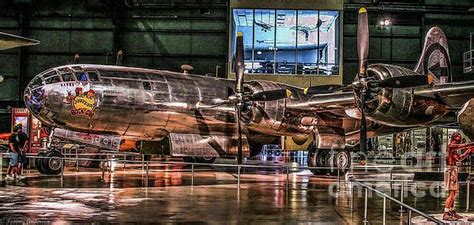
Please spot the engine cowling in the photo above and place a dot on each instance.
(264, 116)
(466, 119)
(399, 107)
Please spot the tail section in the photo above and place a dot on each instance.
(434, 58)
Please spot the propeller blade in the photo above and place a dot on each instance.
(239, 64)
(363, 41)
(404, 81)
(323, 89)
(271, 95)
(239, 130)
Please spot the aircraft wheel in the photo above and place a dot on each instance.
(53, 165)
(339, 159)
(39, 163)
(317, 158)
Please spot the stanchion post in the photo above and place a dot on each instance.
(468, 191)
(102, 177)
(384, 214)
(192, 174)
(402, 192)
(287, 178)
(238, 177)
(124, 160)
(352, 196)
(338, 180)
(146, 173)
(1, 168)
(77, 162)
(391, 183)
(409, 217)
(366, 221)
(62, 168)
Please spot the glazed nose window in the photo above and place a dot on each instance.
(81, 76)
(52, 80)
(36, 82)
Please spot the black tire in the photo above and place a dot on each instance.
(208, 160)
(39, 162)
(316, 158)
(53, 165)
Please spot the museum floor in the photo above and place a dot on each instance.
(168, 197)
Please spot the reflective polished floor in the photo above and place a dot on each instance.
(211, 197)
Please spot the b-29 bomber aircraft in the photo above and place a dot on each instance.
(206, 117)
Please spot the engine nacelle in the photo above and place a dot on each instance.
(265, 117)
(466, 119)
(399, 107)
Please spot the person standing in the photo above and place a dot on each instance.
(23, 146)
(13, 143)
(451, 174)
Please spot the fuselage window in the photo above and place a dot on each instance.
(68, 77)
(93, 76)
(146, 86)
(52, 79)
(81, 76)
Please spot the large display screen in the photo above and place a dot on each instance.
(288, 41)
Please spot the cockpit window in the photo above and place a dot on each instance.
(68, 77)
(81, 76)
(52, 79)
(93, 76)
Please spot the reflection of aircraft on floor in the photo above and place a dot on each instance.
(203, 117)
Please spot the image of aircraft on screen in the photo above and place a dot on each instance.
(204, 118)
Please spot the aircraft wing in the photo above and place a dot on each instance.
(454, 95)
(8, 41)
(324, 102)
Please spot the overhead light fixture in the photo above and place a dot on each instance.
(1, 78)
(387, 22)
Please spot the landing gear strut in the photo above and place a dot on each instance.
(52, 163)
(331, 159)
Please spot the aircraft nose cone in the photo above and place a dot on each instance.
(34, 96)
